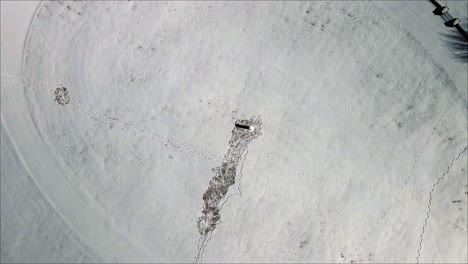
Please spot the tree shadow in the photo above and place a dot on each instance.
(457, 43)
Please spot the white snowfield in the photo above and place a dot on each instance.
(361, 158)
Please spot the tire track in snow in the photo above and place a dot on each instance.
(25, 80)
(47, 200)
(203, 243)
(383, 194)
(127, 127)
(429, 205)
(416, 161)
(225, 176)
(239, 192)
(150, 135)
(84, 238)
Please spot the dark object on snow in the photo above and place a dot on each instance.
(452, 23)
(61, 96)
(213, 198)
(434, 2)
(440, 10)
(244, 126)
(457, 42)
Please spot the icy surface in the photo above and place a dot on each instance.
(362, 156)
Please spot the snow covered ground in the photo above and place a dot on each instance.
(362, 156)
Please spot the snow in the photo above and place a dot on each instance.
(361, 157)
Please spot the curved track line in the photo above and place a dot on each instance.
(387, 210)
(48, 201)
(429, 205)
